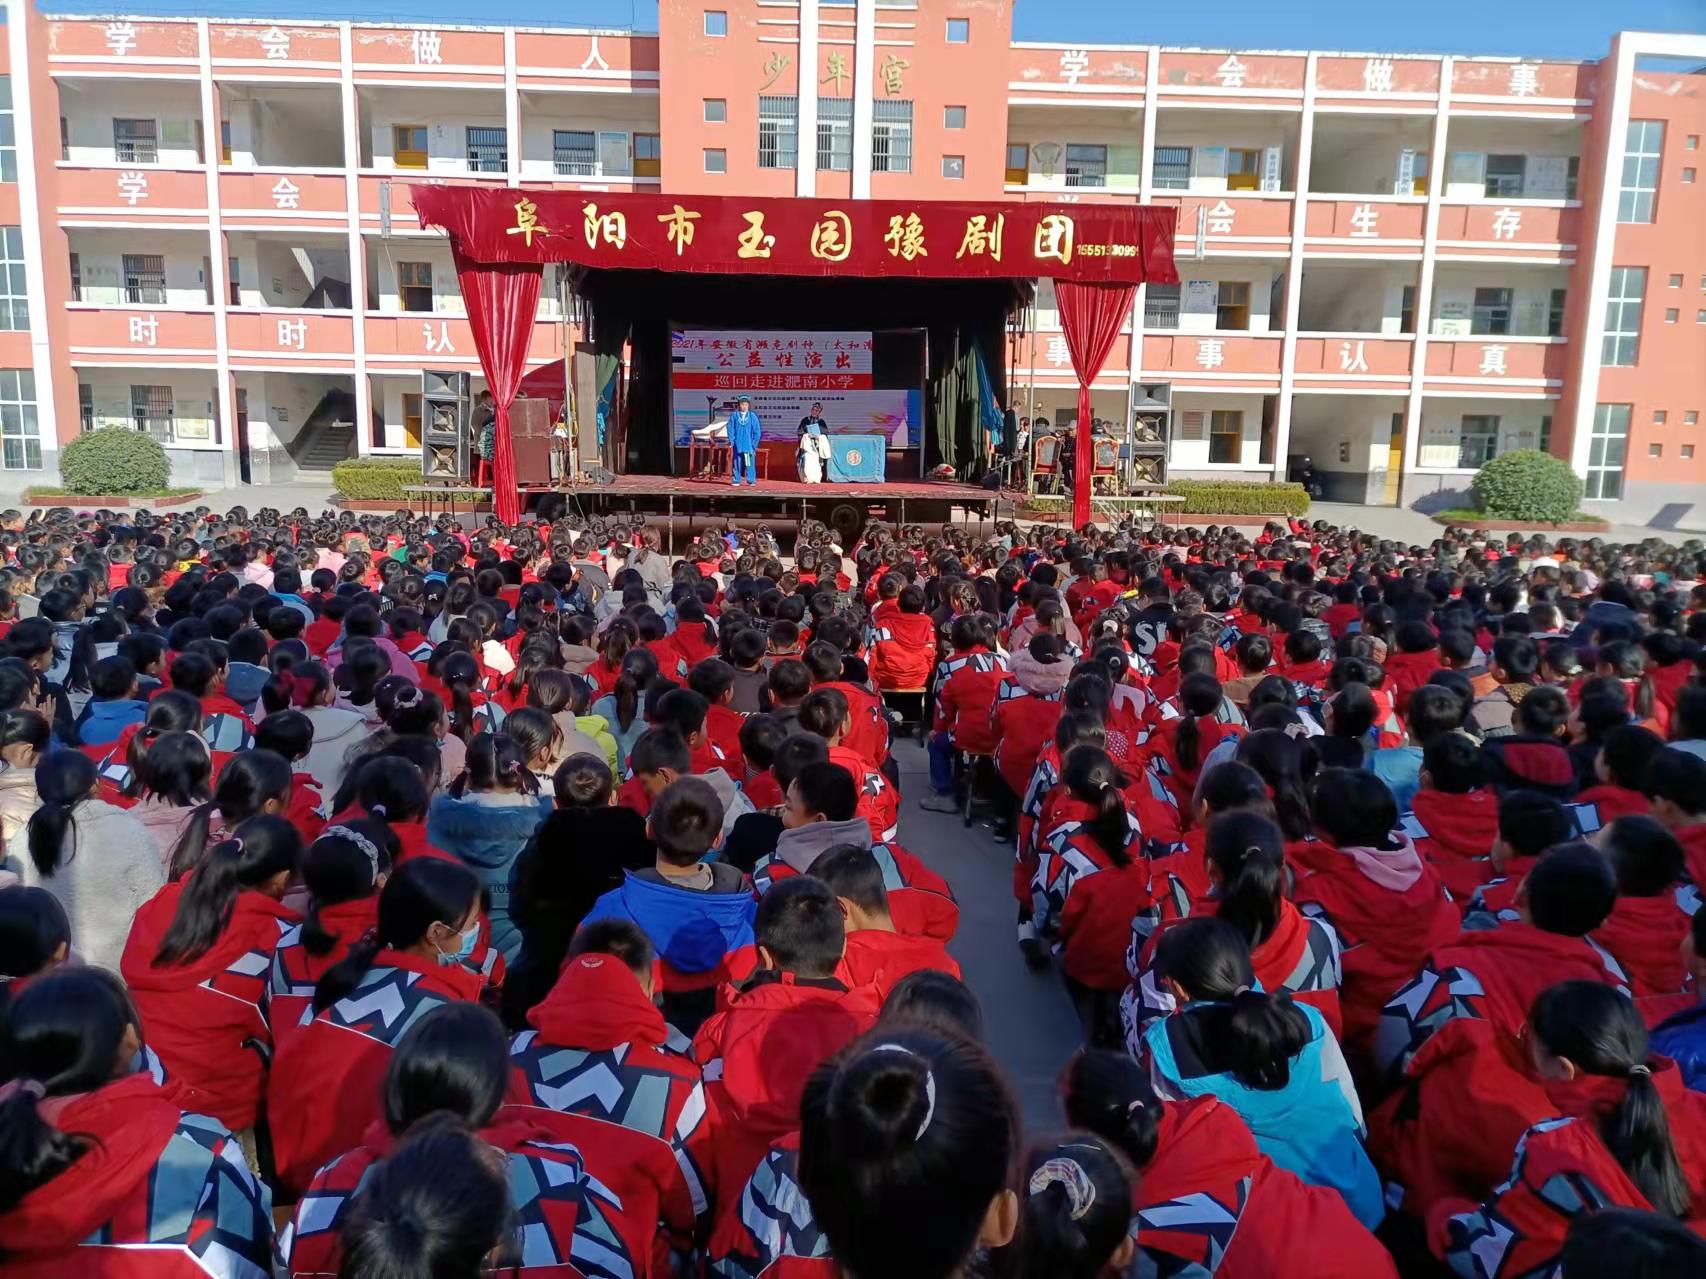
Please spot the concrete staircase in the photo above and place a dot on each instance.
(323, 447)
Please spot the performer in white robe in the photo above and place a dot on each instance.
(813, 456)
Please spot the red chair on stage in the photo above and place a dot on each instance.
(1104, 459)
(1045, 462)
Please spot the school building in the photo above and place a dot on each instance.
(1399, 266)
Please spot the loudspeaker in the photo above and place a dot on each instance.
(530, 440)
(446, 410)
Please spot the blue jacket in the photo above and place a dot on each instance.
(1682, 1038)
(244, 681)
(1311, 1127)
(691, 930)
(104, 721)
(743, 431)
(488, 838)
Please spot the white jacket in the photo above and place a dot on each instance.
(336, 730)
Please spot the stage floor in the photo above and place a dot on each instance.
(680, 486)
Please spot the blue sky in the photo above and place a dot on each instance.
(1538, 28)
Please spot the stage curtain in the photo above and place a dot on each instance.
(502, 301)
(1090, 318)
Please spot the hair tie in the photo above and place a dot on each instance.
(1640, 1070)
(1241, 990)
(359, 840)
(378, 810)
(34, 1087)
(407, 696)
(303, 688)
(929, 1085)
(1070, 1175)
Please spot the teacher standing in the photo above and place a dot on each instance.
(743, 443)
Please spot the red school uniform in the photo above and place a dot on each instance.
(867, 730)
(1098, 899)
(1644, 935)
(1614, 801)
(903, 650)
(1454, 834)
(879, 804)
(295, 970)
(879, 959)
(920, 901)
(967, 686)
(722, 730)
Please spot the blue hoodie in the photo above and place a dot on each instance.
(244, 681)
(488, 838)
(1682, 1038)
(104, 721)
(692, 931)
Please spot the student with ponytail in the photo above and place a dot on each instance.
(1286, 764)
(471, 712)
(620, 637)
(325, 1084)
(24, 737)
(1077, 1194)
(1626, 662)
(623, 705)
(1271, 1059)
(1178, 747)
(196, 963)
(101, 1172)
(308, 687)
(256, 783)
(171, 781)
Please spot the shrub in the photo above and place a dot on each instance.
(114, 460)
(380, 479)
(1528, 485)
(1236, 497)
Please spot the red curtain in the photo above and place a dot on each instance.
(1090, 317)
(501, 301)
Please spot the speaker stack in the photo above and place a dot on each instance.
(446, 412)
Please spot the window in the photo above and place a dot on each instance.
(1623, 315)
(1232, 305)
(716, 110)
(835, 134)
(891, 137)
(488, 149)
(1700, 317)
(1660, 416)
(85, 406)
(1225, 435)
(412, 418)
(1690, 417)
(151, 410)
(778, 132)
(1691, 142)
(1672, 315)
(1161, 306)
(959, 30)
(1407, 309)
(953, 166)
(1687, 452)
(1418, 175)
(1546, 433)
(8, 139)
(1086, 166)
(14, 292)
(145, 278)
(414, 285)
(1676, 280)
(225, 142)
(574, 153)
(648, 155)
(64, 125)
(1478, 440)
(135, 141)
(1173, 168)
(409, 146)
(716, 24)
(716, 160)
(1642, 147)
(1688, 175)
(953, 117)
(76, 278)
(1606, 448)
(1492, 313)
(1243, 169)
(235, 281)
(1504, 175)
(1018, 164)
(1555, 313)
(1655, 450)
(20, 444)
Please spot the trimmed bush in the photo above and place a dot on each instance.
(1528, 485)
(114, 460)
(381, 479)
(1237, 497)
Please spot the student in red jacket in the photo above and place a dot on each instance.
(324, 1089)
(1179, 746)
(967, 684)
(714, 680)
(1454, 817)
(1676, 787)
(760, 737)
(1620, 770)
(877, 953)
(867, 728)
(225, 725)
(824, 712)
(1387, 905)
(1647, 927)
(903, 644)
(780, 1024)
(1416, 658)
(1027, 708)
(196, 963)
(1530, 822)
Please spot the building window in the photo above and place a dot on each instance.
(145, 278)
(716, 160)
(151, 410)
(1173, 168)
(1086, 165)
(1691, 142)
(891, 137)
(20, 441)
(1623, 315)
(1642, 147)
(1504, 176)
(953, 166)
(1675, 279)
(1700, 317)
(8, 140)
(1478, 440)
(1672, 315)
(835, 134)
(959, 30)
(574, 153)
(14, 291)
(1555, 313)
(225, 142)
(648, 155)
(85, 406)
(716, 24)
(409, 146)
(1687, 452)
(953, 117)
(1606, 448)
(1655, 450)
(1407, 309)
(76, 278)
(1018, 163)
(1688, 175)
(1225, 435)
(1161, 306)
(412, 419)
(1660, 416)
(235, 281)
(1546, 433)
(716, 110)
(488, 149)
(1492, 314)
(1690, 417)
(135, 141)
(1244, 169)
(1232, 305)
(778, 132)
(414, 285)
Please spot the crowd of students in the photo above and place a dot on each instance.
(387, 899)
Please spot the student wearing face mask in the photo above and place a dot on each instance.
(324, 1089)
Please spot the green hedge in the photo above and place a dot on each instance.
(1527, 485)
(115, 460)
(381, 479)
(1237, 497)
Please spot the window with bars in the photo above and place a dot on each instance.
(1161, 306)
(20, 439)
(414, 285)
(145, 278)
(86, 406)
(1491, 316)
(891, 137)
(8, 138)
(778, 131)
(136, 141)
(1173, 168)
(1607, 445)
(1086, 165)
(14, 291)
(488, 149)
(835, 134)
(76, 278)
(1642, 148)
(1407, 309)
(1477, 440)
(574, 153)
(151, 410)
(1622, 341)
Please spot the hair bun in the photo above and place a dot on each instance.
(887, 1098)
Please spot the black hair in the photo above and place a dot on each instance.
(287, 734)
(1077, 1208)
(1454, 764)
(257, 852)
(1543, 710)
(622, 938)
(64, 779)
(1570, 891)
(1091, 776)
(760, 737)
(1626, 1243)
(1645, 857)
(639, 669)
(1109, 1093)
(823, 711)
(933, 998)
(686, 821)
(853, 872)
(800, 923)
(582, 781)
(176, 768)
(1354, 809)
(33, 926)
(454, 1060)
(112, 678)
(1285, 765)
(1432, 712)
(1596, 1027)
(1243, 1032)
(1199, 695)
(343, 865)
(658, 749)
(1628, 751)
(1531, 822)
(1249, 853)
(828, 788)
(246, 784)
(422, 892)
(495, 758)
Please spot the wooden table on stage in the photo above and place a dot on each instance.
(714, 456)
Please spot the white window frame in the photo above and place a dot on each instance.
(778, 131)
(1643, 150)
(18, 422)
(891, 136)
(14, 283)
(1624, 296)
(834, 134)
(8, 133)
(1608, 450)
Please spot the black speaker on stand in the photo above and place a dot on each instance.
(446, 416)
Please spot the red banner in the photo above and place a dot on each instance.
(1092, 243)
